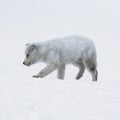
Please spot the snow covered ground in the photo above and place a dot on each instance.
(25, 98)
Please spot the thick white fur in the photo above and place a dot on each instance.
(57, 53)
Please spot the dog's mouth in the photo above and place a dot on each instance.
(28, 64)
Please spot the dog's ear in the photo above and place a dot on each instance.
(32, 47)
(27, 44)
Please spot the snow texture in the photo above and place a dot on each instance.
(25, 98)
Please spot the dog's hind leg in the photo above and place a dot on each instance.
(81, 71)
(91, 67)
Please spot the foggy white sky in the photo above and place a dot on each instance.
(58, 18)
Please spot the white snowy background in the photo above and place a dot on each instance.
(25, 98)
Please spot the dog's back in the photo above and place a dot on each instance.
(71, 48)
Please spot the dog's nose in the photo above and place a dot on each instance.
(23, 63)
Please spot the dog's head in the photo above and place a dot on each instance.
(31, 54)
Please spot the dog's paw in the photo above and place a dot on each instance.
(35, 76)
(78, 77)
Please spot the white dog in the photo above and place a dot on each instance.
(57, 53)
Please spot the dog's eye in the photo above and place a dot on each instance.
(27, 55)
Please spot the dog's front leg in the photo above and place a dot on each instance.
(47, 70)
(61, 72)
